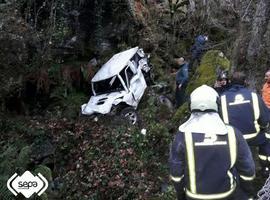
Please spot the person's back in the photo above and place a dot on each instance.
(198, 47)
(207, 156)
(243, 109)
(246, 111)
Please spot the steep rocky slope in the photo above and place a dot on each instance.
(45, 49)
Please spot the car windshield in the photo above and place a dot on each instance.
(109, 85)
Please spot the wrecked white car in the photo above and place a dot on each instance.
(119, 85)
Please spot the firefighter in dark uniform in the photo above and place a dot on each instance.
(222, 82)
(208, 159)
(246, 111)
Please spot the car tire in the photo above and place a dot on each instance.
(130, 115)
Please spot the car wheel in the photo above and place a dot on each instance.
(129, 114)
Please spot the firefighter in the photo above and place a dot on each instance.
(246, 111)
(208, 159)
(222, 82)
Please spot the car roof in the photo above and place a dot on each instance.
(113, 66)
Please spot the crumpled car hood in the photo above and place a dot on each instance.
(103, 103)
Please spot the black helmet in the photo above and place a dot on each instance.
(223, 75)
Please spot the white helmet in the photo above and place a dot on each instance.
(204, 98)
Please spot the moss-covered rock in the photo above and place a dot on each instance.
(206, 73)
(212, 62)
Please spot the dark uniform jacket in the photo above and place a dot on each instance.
(244, 110)
(198, 48)
(207, 166)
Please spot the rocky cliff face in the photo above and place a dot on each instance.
(240, 28)
(37, 34)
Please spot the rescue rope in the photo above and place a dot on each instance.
(264, 193)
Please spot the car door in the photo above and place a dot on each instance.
(136, 81)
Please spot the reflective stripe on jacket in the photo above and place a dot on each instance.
(244, 110)
(207, 165)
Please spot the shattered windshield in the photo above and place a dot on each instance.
(112, 84)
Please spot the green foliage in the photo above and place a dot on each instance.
(8, 159)
(44, 196)
(11, 161)
(176, 6)
(121, 7)
(206, 73)
(169, 194)
(66, 104)
(54, 72)
(181, 114)
(5, 194)
(24, 157)
(45, 171)
(76, 99)
(159, 67)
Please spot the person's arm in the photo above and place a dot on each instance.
(178, 77)
(185, 74)
(176, 165)
(244, 165)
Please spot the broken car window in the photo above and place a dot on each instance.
(112, 84)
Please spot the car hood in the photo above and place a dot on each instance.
(102, 103)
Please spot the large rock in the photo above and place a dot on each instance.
(206, 73)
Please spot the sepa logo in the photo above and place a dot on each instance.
(27, 184)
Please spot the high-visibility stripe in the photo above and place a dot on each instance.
(256, 110)
(224, 109)
(238, 103)
(211, 196)
(255, 106)
(233, 152)
(267, 135)
(191, 161)
(176, 179)
(231, 178)
(232, 145)
(249, 136)
(263, 157)
(191, 168)
(247, 178)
